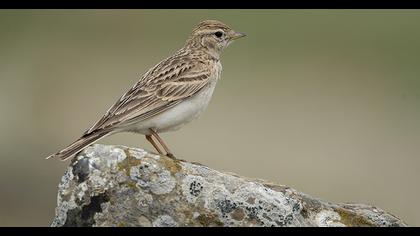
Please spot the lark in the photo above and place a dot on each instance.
(169, 95)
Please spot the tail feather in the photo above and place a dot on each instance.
(77, 146)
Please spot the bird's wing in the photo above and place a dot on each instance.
(161, 88)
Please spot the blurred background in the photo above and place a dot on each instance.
(324, 101)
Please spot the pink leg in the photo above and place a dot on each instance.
(168, 151)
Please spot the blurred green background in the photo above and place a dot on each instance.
(324, 101)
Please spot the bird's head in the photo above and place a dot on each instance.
(213, 35)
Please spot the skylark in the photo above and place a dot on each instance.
(169, 95)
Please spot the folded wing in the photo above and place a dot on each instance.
(162, 87)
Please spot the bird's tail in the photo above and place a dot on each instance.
(78, 145)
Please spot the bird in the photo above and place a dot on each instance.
(169, 95)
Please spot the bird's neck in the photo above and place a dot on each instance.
(197, 46)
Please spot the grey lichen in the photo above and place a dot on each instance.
(164, 221)
(121, 186)
(192, 186)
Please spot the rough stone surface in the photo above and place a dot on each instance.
(121, 186)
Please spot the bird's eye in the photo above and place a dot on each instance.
(219, 34)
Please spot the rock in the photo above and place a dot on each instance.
(121, 186)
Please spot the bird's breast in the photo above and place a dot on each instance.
(187, 111)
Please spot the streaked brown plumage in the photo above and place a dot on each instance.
(170, 94)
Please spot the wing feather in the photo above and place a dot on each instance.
(162, 87)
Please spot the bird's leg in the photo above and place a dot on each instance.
(168, 151)
(150, 139)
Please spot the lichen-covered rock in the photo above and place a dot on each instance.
(121, 186)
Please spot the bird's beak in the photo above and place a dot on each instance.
(237, 35)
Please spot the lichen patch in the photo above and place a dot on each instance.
(172, 165)
(137, 153)
(127, 164)
(209, 219)
(349, 218)
(238, 214)
(149, 175)
(328, 218)
(144, 221)
(164, 221)
(192, 186)
(163, 184)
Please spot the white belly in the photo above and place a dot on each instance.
(179, 115)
